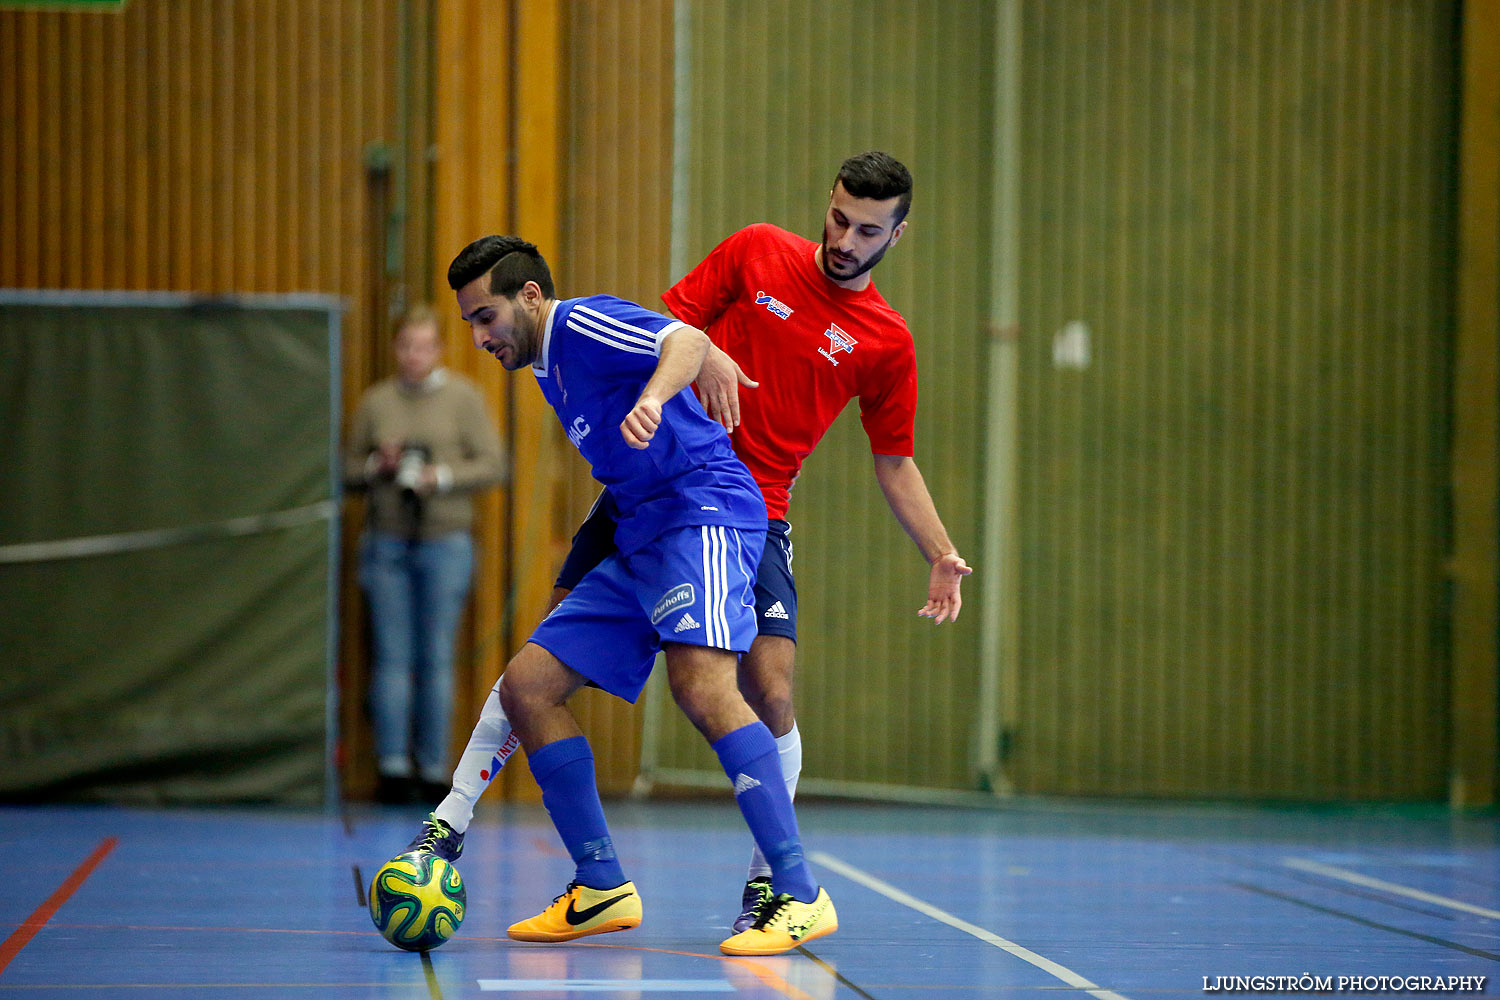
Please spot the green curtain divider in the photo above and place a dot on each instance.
(189, 660)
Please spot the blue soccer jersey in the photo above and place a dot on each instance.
(597, 355)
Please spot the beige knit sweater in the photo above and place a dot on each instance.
(444, 419)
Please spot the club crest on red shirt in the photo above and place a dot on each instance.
(838, 341)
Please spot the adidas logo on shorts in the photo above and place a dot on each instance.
(684, 623)
(776, 611)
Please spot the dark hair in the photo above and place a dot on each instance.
(510, 261)
(879, 176)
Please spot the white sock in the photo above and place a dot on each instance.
(490, 746)
(789, 752)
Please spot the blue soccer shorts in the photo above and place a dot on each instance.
(692, 585)
(775, 587)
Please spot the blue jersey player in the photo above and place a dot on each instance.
(690, 531)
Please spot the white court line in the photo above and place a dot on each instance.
(1343, 874)
(1048, 966)
(605, 986)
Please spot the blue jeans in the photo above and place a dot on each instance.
(416, 591)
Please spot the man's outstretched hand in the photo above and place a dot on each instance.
(943, 599)
(719, 382)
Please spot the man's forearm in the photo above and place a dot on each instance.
(906, 492)
(682, 354)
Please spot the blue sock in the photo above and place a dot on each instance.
(749, 758)
(565, 772)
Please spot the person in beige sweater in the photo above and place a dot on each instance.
(422, 444)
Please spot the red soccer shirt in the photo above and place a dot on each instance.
(811, 344)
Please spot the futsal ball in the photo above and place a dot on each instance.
(417, 901)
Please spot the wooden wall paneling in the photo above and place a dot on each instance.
(1036, 186)
(30, 207)
(114, 233)
(202, 146)
(182, 59)
(322, 207)
(10, 160)
(283, 151)
(197, 101)
(1290, 501)
(67, 103)
(136, 167)
(614, 217)
(89, 136)
(1235, 347)
(764, 147)
(361, 348)
(53, 164)
(1476, 473)
(419, 257)
(472, 192)
(1199, 553)
(340, 34)
(1377, 382)
(365, 337)
(1426, 706)
(258, 139)
(118, 230)
(241, 129)
(536, 435)
(542, 454)
(1226, 515)
(1057, 574)
(267, 134)
(1422, 707)
(175, 238)
(150, 120)
(218, 144)
(1405, 460)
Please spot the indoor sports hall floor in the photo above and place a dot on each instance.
(1035, 899)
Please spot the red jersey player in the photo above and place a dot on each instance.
(806, 321)
(817, 344)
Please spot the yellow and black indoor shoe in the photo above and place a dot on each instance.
(581, 911)
(785, 923)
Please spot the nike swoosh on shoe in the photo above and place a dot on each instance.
(576, 916)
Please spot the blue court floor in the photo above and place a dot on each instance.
(1033, 899)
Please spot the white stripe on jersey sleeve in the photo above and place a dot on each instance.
(615, 321)
(607, 324)
(611, 341)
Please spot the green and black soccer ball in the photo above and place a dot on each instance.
(417, 901)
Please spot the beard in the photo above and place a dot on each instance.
(524, 343)
(864, 266)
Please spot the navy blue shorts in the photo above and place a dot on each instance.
(775, 587)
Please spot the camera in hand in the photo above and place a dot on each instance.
(409, 468)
